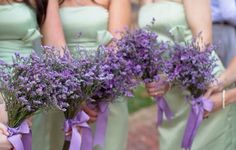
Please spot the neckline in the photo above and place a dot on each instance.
(162, 2)
(82, 7)
(11, 4)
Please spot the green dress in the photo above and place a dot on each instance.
(218, 132)
(91, 22)
(18, 30)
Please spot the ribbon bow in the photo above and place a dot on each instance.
(84, 141)
(163, 109)
(198, 106)
(20, 137)
(101, 125)
(104, 37)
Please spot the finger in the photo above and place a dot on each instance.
(151, 85)
(206, 115)
(161, 88)
(90, 112)
(3, 130)
(209, 93)
(92, 120)
(68, 133)
(29, 121)
(157, 93)
(79, 129)
(160, 93)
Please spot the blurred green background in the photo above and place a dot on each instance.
(140, 100)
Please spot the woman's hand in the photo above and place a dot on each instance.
(217, 101)
(159, 88)
(217, 86)
(92, 113)
(4, 143)
(3, 129)
(3, 114)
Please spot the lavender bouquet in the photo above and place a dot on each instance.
(69, 94)
(26, 89)
(118, 76)
(191, 68)
(65, 83)
(104, 76)
(146, 56)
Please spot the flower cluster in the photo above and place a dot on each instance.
(34, 83)
(67, 92)
(142, 49)
(119, 76)
(92, 73)
(191, 67)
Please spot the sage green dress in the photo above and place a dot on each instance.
(18, 33)
(92, 23)
(218, 132)
(18, 30)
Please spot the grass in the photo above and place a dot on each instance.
(140, 100)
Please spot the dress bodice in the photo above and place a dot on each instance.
(18, 30)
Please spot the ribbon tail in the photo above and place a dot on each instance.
(75, 139)
(87, 142)
(27, 141)
(186, 144)
(159, 114)
(193, 123)
(163, 109)
(101, 126)
(198, 123)
(16, 141)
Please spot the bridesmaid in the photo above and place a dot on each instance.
(216, 91)
(180, 20)
(97, 21)
(19, 28)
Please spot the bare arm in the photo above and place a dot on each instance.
(120, 15)
(3, 114)
(198, 14)
(52, 30)
(230, 98)
(4, 143)
(229, 76)
(142, 2)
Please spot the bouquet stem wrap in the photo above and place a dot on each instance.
(162, 109)
(21, 137)
(101, 124)
(79, 141)
(198, 106)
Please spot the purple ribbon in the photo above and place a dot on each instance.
(163, 109)
(198, 106)
(101, 125)
(20, 137)
(79, 141)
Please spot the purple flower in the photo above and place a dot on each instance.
(144, 53)
(191, 68)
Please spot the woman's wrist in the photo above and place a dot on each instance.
(230, 96)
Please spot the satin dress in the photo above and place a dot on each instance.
(219, 130)
(91, 23)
